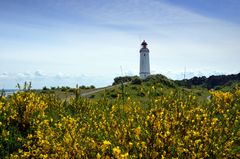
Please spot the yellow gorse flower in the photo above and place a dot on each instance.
(107, 143)
(116, 151)
(165, 126)
(137, 130)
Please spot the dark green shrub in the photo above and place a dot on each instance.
(136, 81)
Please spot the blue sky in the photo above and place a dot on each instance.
(69, 42)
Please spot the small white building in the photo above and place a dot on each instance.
(144, 61)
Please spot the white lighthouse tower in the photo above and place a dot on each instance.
(144, 61)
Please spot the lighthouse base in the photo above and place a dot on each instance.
(144, 75)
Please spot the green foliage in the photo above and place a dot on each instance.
(26, 87)
(165, 123)
(212, 82)
(64, 89)
(92, 87)
(45, 88)
(154, 119)
(160, 79)
(119, 80)
(2, 93)
(136, 81)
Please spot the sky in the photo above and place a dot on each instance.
(69, 42)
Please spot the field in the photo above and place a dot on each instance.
(128, 121)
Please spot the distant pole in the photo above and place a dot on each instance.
(184, 74)
(121, 70)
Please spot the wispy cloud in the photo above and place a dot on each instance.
(139, 13)
(220, 9)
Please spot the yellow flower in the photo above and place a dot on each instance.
(137, 130)
(143, 144)
(105, 142)
(98, 156)
(214, 120)
(130, 145)
(123, 156)
(5, 133)
(29, 136)
(105, 145)
(43, 156)
(20, 150)
(116, 151)
(168, 133)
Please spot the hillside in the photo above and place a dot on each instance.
(152, 118)
(151, 87)
(133, 86)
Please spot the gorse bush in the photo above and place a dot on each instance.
(167, 126)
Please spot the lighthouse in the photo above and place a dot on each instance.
(144, 61)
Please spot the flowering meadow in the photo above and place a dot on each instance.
(173, 125)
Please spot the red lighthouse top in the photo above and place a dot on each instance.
(144, 44)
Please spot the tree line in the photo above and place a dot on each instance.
(211, 82)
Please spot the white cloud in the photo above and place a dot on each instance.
(40, 79)
(3, 75)
(38, 74)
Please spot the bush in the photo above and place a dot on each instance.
(119, 80)
(45, 88)
(63, 89)
(170, 126)
(113, 95)
(156, 79)
(136, 81)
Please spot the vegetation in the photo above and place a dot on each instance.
(137, 89)
(158, 78)
(151, 119)
(66, 92)
(119, 80)
(211, 82)
(69, 89)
